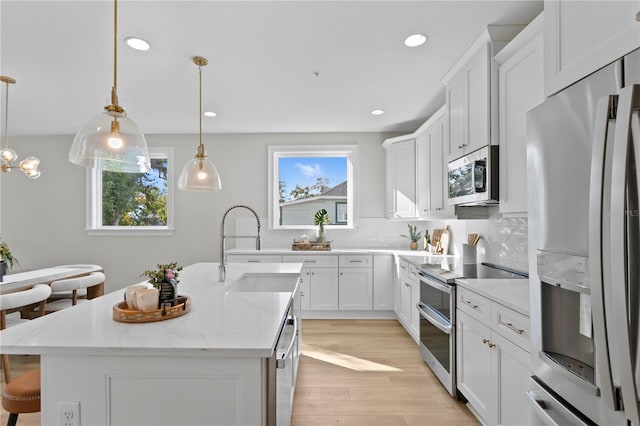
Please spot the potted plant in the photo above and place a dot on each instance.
(320, 218)
(157, 275)
(414, 236)
(7, 260)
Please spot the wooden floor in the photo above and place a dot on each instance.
(369, 372)
(366, 372)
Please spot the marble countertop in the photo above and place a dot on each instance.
(512, 293)
(220, 323)
(354, 250)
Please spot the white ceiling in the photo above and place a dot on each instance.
(262, 58)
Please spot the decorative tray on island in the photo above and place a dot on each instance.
(122, 313)
(311, 246)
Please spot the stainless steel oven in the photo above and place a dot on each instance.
(437, 328)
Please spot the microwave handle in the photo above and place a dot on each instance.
(480, 186)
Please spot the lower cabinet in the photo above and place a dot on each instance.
(355, 288)
(408, 298)
(338, 282)
(492, 370)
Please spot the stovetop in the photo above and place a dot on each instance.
(448, 273)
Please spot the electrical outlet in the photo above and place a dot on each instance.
(69, 413)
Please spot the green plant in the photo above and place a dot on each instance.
(414, 234)
(320, 218)
(5, 254)
(157, 275)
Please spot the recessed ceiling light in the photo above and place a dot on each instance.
(137, 43)
(415, 40)
(377, 112)
(209, 114)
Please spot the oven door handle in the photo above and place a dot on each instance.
(432, 316)
(442, 287)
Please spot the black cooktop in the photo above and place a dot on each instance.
(449, 273)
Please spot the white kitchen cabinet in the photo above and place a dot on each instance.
(471, 93)
(473, 365)
(581, 37)
(401, 177)
(492, 359)
(383, 282)
(324, 289)
(409, 296)
(431, 168)
(521, 87)
(305, 289)
(356, 289)
(253, 258)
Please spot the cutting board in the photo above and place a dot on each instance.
(444, 240)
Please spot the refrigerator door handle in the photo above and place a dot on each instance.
(628, 106)
(599, 260)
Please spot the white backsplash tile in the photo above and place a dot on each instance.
(503, 240)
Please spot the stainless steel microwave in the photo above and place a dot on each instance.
(473, 179)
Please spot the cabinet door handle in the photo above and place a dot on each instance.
(638, 16)
(313, 273)
(485, 341)
(462, 146)
(492, 345)
(407, 284)
(510, 325)
(341, 273)
(471, 304)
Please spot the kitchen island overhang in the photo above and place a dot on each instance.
(210, 365)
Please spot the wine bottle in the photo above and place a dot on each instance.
(168, 288)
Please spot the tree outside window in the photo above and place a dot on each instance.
(122, 202)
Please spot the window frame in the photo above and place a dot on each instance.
(94, 202)
(278, 151)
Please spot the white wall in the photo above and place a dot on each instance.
(44, 220)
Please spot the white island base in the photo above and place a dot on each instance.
(215, 365)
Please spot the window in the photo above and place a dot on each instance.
(303, 180)
(130, 203)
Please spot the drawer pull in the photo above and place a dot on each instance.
(310, 261)
(356, 261)
(471, 304)
(253, 261)
(510, 325)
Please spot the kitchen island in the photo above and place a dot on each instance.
(214, 365)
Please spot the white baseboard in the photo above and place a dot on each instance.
(349, 315)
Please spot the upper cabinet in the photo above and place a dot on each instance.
(401, 177)
(581, 37)
(432, 167)
(471, 93)
(521, 88)
(416, 172)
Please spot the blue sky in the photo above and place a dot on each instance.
(304, 171)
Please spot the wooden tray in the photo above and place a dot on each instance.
(311, 246)
(123, 314)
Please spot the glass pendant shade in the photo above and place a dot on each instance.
(110, 141)
(199, 174)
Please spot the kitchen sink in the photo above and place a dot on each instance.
(264, 283)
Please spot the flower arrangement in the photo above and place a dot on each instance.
(157, 275)
(6, 255)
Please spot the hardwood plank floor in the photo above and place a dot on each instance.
(368, 372)
(352, 373)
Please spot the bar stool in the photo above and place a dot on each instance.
(22, 394)
(81, 293)
(72, 285)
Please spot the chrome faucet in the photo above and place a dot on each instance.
(222, 267)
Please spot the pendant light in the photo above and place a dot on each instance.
(7, 155)
(111, 141)
(200, 174)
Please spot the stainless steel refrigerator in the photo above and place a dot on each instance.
(583, 156)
